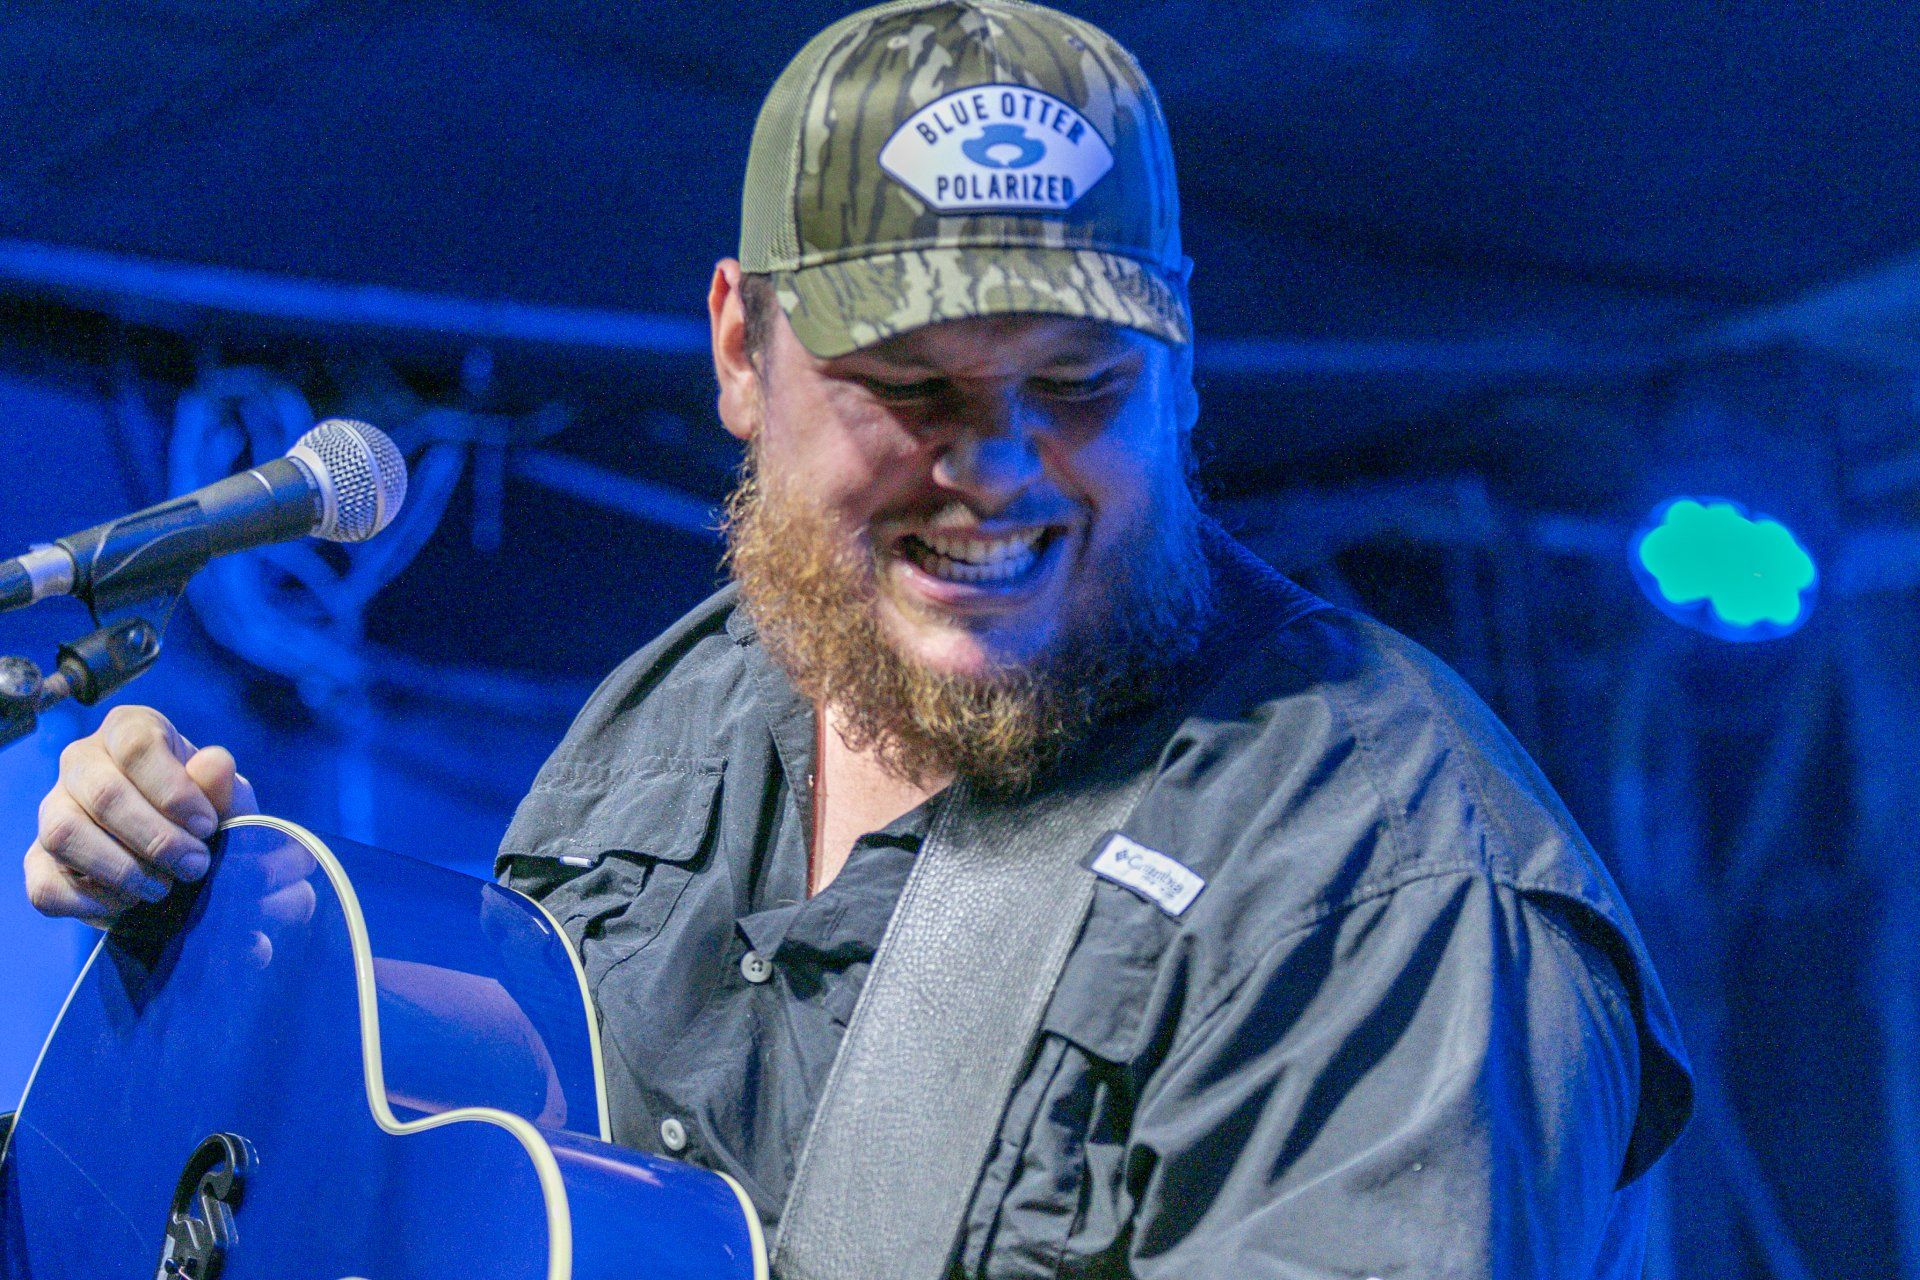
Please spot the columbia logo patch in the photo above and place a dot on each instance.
(997, 147)
(1149, 873)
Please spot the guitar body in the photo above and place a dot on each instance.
(335, 1062)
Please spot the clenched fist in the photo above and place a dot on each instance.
(130, 815)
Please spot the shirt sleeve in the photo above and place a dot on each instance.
(1437, 1080)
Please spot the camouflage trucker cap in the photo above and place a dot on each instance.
(929, 160)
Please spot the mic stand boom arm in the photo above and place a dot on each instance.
(90, 668)
(130, 572)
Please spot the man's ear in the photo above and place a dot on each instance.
(733, 367)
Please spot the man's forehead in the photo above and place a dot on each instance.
(983, 343)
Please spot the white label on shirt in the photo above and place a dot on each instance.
(1149, 873)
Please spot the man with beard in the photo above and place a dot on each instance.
(1353, 997)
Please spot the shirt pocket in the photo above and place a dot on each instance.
(1053, 1199)
(610, 852)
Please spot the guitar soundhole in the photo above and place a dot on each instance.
(200, 1227)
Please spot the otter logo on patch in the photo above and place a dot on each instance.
(997, 148)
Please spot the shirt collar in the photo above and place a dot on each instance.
(844, 922)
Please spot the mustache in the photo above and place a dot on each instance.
(956, 516)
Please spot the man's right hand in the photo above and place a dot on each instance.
(130, 815)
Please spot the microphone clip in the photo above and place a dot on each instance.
(130, 574)
(92, 667)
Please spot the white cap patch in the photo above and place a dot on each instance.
(1148, 872)
(997, 147)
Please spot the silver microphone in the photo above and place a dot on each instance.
(343, 481)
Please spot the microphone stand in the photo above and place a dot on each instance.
(130, 573)
(90, 668)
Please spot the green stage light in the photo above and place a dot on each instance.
(1709, 564)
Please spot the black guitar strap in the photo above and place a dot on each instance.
(946, 1019)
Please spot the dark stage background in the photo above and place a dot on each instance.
(1479, 285)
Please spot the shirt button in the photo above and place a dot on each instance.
(673, 1134)
(755, 967)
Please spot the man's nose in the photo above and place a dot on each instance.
(994, 456)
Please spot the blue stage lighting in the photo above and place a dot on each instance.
(1709, 564)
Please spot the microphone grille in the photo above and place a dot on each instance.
(360, 474)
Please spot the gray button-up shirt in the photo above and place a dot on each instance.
(1406, 1029)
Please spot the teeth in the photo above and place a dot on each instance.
(979, 551)
(976, 559)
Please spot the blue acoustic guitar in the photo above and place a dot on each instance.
(327, 1062)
